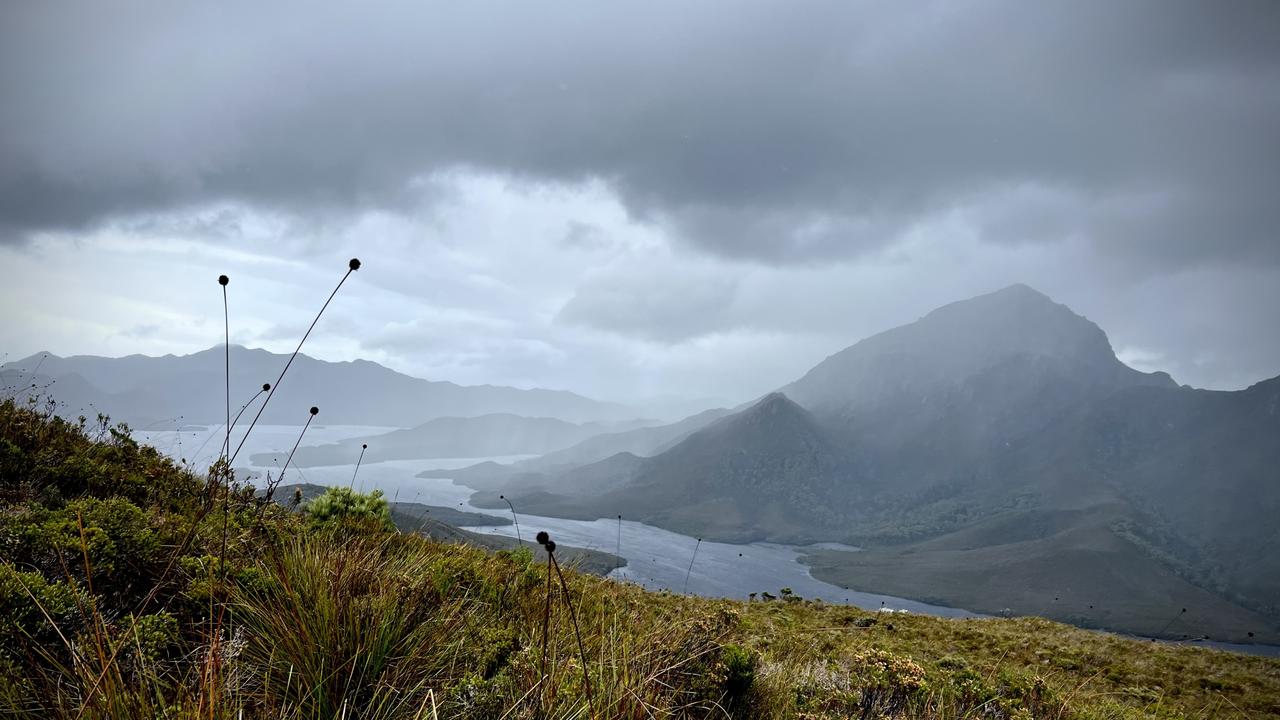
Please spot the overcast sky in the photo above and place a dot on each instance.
(633, 200)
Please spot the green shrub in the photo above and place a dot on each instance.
(113, 536)
(28, 603)
(738, 668)
(146, 639)
(343, 507)
(886, 681)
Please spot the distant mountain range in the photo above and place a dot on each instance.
(994, 454)
(170, 391)
(640, 441)
(494, 434)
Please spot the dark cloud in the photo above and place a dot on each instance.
(616, 197)
(781, 132)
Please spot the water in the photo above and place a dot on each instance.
(660, 559)
(199, 447)
(656, 558)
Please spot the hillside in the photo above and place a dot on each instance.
(770, 466)
(493, 434)
(447, 524)
(172, 390)
(1072, 566)
(126, 590)
(640, 441)
(942, 446)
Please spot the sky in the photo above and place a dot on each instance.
(638, 201)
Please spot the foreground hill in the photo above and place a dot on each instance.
(995, 438)
(130, 587)
(171, 390)
(449, 525)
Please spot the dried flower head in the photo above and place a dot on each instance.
(542, 537)
(315, 410)
(354, 263)
(266, 387)
(223, 279)
(364, 446)
(550, 546)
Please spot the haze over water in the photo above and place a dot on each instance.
(656, 558)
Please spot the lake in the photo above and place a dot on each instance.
(656, 558)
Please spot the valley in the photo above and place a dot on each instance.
(994, 455)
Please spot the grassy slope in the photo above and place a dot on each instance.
(447, 524)
(351, 622)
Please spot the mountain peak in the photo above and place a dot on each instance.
(774, 400)
(962, 339)
(1021, 290)
(773, 416)
(1017, 295)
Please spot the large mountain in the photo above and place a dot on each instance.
(993, 454)
(930, 399)
(144, 390)
(1014, 329)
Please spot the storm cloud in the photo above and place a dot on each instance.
(741, 155)
(778, 131)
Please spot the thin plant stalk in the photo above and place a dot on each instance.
(573, 617)
(226, 331)
(689, 572)
(226, 497)
(1171, 622)
(215, 624)
(546, 618)
(236, 421)
(514, 519)
(271, 487)
(363, 447)
(352, 266)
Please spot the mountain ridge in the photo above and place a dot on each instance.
(492, 434)
(146, 390)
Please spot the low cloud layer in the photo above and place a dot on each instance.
(661, 179)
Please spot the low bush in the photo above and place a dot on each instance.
(341, 507)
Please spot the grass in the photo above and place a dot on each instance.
(113, 572)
